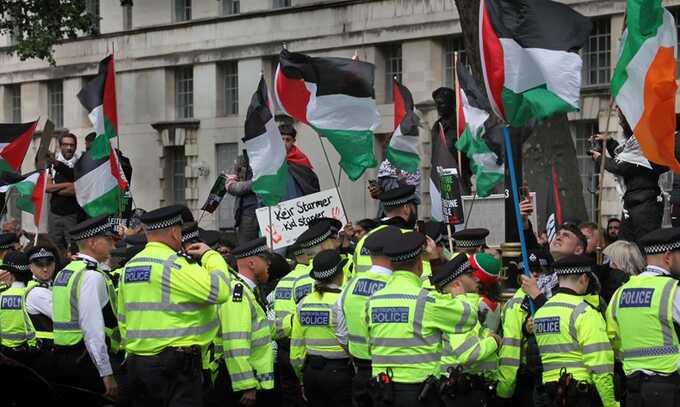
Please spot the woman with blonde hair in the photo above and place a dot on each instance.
(622, 260)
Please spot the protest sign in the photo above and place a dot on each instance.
(216, 194)
(290, 218)
(452, 203)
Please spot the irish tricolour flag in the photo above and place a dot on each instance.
(266, 151)
(14, 141)
(530, 61)
(99, 98)
(31, 190)
(644, 80)
(335, 96)
(472, 112)
(402, 151)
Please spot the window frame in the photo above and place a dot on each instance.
(231, 7)
(394, 66)
(55, 100)
(184, 95)
(175, 174)
(14, 99)
(587, 54)
(183, 10)
(229, 73)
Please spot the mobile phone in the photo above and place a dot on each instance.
(523, 193)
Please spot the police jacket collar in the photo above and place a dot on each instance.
(248, 281)
(18, 284)
(568, 291)
(380, 270)
(397, 221)
(87, 259)
(655, 270)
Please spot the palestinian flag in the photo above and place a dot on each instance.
(98, 184)
(530, 61)
(31, 190)
(14, 141)
(266, 150)
(403, 149)
(472, 111)
(644, 84)
(335, 96)
(99, 98)
(440, 159)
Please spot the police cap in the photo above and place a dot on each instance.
(398, 196)
(252, 248)
(190, 233)
(335, 224)
(41, 254)
(451, 270)
(574, 265)
(166, 217)
(405, 247)
(314, 235)
(471, 238)
(8, 240)
(434, 230)
(376, 241)
(97, 226)
(15, 262)
(660, 241)
(326, 265)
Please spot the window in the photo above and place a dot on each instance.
(92, 8)
(14, 102)
(581, 133)
(225, 155)
(127, 16)
(184, 92)
(182, 10)
(451, 46)
(175, 163)
(597, 54)
(230, 7)
(675, 11)
(230, 78)
(392, 55)
(280, 3)
(55, 102)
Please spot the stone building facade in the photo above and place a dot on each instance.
(186, 70)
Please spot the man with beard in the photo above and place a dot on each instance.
(641, 323)
(612, 233)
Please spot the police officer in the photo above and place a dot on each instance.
(400, 210)
(519, 364)
(246, 331)
(17, 334)
(470, 241)
(314, 240)
(345, 252)
(8, 241)
(167, 302)
(469, 360)
(84, 312)
(352, 302)
(642, 318)
(318, 350)
(578, 361)
(405, 324)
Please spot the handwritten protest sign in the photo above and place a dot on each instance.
(290, 218)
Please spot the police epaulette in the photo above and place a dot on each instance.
(186, 255)
(89, 265)
(237, 296)
(525, 304)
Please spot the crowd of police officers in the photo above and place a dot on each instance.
(395, 323)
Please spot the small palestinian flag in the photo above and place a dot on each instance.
(403, 149)
(335, 96)
(472, 113)
(265, 147)
(99, 98)
(644, 84)
(14, 141)
(31, 190)
(98, 184)
(530, 61)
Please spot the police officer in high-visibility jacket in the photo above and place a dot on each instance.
(519, 364)
(318, 350)
(17, 335)
(314, 240)
(577, 358)
(470, 241)
(469, 360)
(8, 241)
(353, 301)
(400, 205)
(167, 303)
(642, 321)
(405, 324)
(246, 332)
(84, 312)
(347, 253)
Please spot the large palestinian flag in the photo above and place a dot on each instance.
(98, 184)
(335, 96)
(402, 151)
(644, 80)
(99, 98)
(472, 112)
(530, 61)
(14, 141)
(31, 190)
(266, 150)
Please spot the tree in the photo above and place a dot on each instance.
(37, 25)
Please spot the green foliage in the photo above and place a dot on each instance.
(37, 25)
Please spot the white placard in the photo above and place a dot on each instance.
(290, 218)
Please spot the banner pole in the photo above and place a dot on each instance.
(600, 188)
(448, 229)
(457, 90)
(518, 215)
(200, 217)
(335, 183)
(467, 218)
(271, 231)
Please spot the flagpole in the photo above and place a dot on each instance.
(518, 215)
(467, 218)
(200, 217)
(271, 231)
(457, 90)
(330, 169)
(600, 189)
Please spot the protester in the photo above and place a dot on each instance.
(391, 177)
(595, 240)
(239, 185)
(363, 227)
(621, 260)
(301, 177)
(612, 232)
(65, 212)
